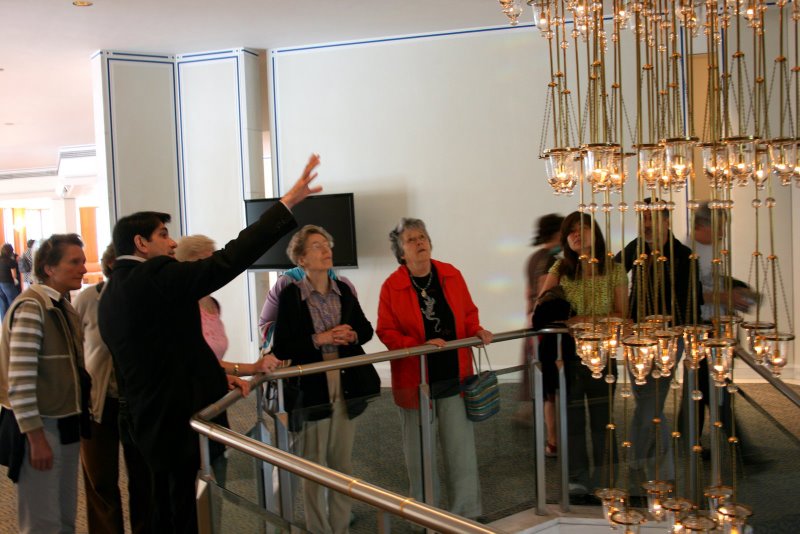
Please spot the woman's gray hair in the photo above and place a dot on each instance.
(297, 245)
(193, 247)
(396, 235)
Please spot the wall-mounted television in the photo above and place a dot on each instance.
(335, 213)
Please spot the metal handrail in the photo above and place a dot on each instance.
(399, 505)
(402, 506)
(225, 402)
(776, 382)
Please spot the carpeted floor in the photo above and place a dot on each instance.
(766, 474)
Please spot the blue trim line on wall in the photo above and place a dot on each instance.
(139, 55)
(111, 142)
(276, 180)
(402, 38)
(206, 54)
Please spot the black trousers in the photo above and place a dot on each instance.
(100, 460)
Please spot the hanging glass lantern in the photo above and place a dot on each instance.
(694, 522)
(611, 329)
(657, 492)
(715, 165)
(541, 14)
(651, 164)
(667, 352)
(563, 170)
(726, 326)
(762, 170)
(719, 352)
(592, 352)
(629, 521)
(613, 499)
(796, 161)
(756, 343)
(643, 329)
(782, 159)
(678, 153)
(717, 496)
(639, 352)
(777, 348)
(619, 171)
(512, 9)
(599, 165)
(741, 158)
(659, 322)
(734, 517)
(694, 338)
(677, 508)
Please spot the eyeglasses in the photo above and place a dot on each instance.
(320, 245)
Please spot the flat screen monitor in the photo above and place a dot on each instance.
(335, 213)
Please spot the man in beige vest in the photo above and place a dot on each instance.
(41, 363)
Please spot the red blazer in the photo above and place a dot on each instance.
(400, 326)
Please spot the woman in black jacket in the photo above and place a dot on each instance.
(320, 319)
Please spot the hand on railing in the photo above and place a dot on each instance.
(267, 363)
(485, 336)
(236, 382)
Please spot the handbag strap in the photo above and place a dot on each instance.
(477, 362)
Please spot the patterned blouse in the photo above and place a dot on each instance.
(595, 294)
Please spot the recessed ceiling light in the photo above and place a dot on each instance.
(81, 3)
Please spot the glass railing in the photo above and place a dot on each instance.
(379, 451)
(597, 436)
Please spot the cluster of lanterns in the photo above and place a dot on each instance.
(668, 165)
(679, 514)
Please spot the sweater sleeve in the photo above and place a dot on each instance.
(25, 343)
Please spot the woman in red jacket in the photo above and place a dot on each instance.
(427, 302)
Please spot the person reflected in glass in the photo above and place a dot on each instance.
(548, 239)
(320, 319)
(427, 302)
(593, 293)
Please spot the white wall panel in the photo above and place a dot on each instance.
(142, 134)
(217, 153)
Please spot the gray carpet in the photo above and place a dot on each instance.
(766, 472)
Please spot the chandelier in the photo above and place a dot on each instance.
(621, 96)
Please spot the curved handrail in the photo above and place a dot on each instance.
(211, 411)
(399, 505)
(776, 382)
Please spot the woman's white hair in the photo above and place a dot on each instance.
(194, 247)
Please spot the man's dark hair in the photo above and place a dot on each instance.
(51, 251)
(142, 223)
(30, 243)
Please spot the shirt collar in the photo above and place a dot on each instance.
(50, 292)
(306, 289)
(131, 257)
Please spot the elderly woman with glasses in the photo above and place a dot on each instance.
(320, 319)
(427, 302)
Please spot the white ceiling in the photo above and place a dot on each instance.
(45, 46)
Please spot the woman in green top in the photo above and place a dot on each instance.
(593, 291)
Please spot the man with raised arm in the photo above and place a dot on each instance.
(165, 370)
